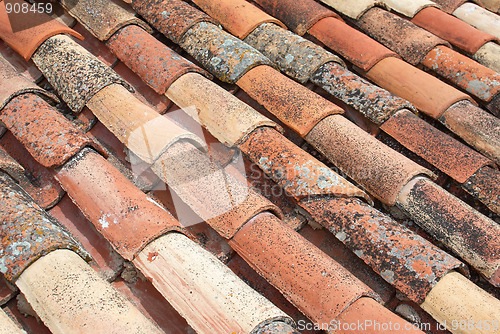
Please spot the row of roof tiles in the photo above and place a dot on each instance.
(211, 125)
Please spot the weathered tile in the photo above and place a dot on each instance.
(296, 106)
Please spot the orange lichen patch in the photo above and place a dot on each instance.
(353, 45)
(404, 259)
(296, 171)
(452, 29)
(427, 93)
(239, 17)
(299, 16)
(49, 137)
(38, 27)
(295, 105)
(38, 181)
(449, 6)
(411, 42)
(173, 18)
(471, 76)
(444, 152)
(123, 214)
(316, 284)
(380, 170)
(27, 232)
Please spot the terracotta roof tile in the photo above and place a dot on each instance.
(476, 127)
(294, 55)
(8, 325)
(296, 171)
(48, 136)
(202, 100)
(379, 169)
(483, 185)
(351, 44)
(430, 95)
(238, 16)
(173, 18)
(105, 260)
(223, 55)
(26, 41)
(294, 105)
(140, 128)
(298, 16)
(12, 84)
(66, 65)
(23, 224)
(189, 171)
(412, 131)
(366, 232)
(159, 103)
(37, 182)
(411, 42)
(457, 32)
(477, 80)
(136, 47)
(375, 103)
(68, 295)
(119, 211)
(471, 234)
(101, 17)
(271, 248)
(487, 55)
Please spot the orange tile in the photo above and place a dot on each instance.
(37, 28)
(173, 18)
(427, 93)
(49, 137)
(452, 29)
(317, 285)
(350, 43)
(449, 155)
(123, 214)
(156, 64)
(295, 105)
(239, 17)
(476, 79)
